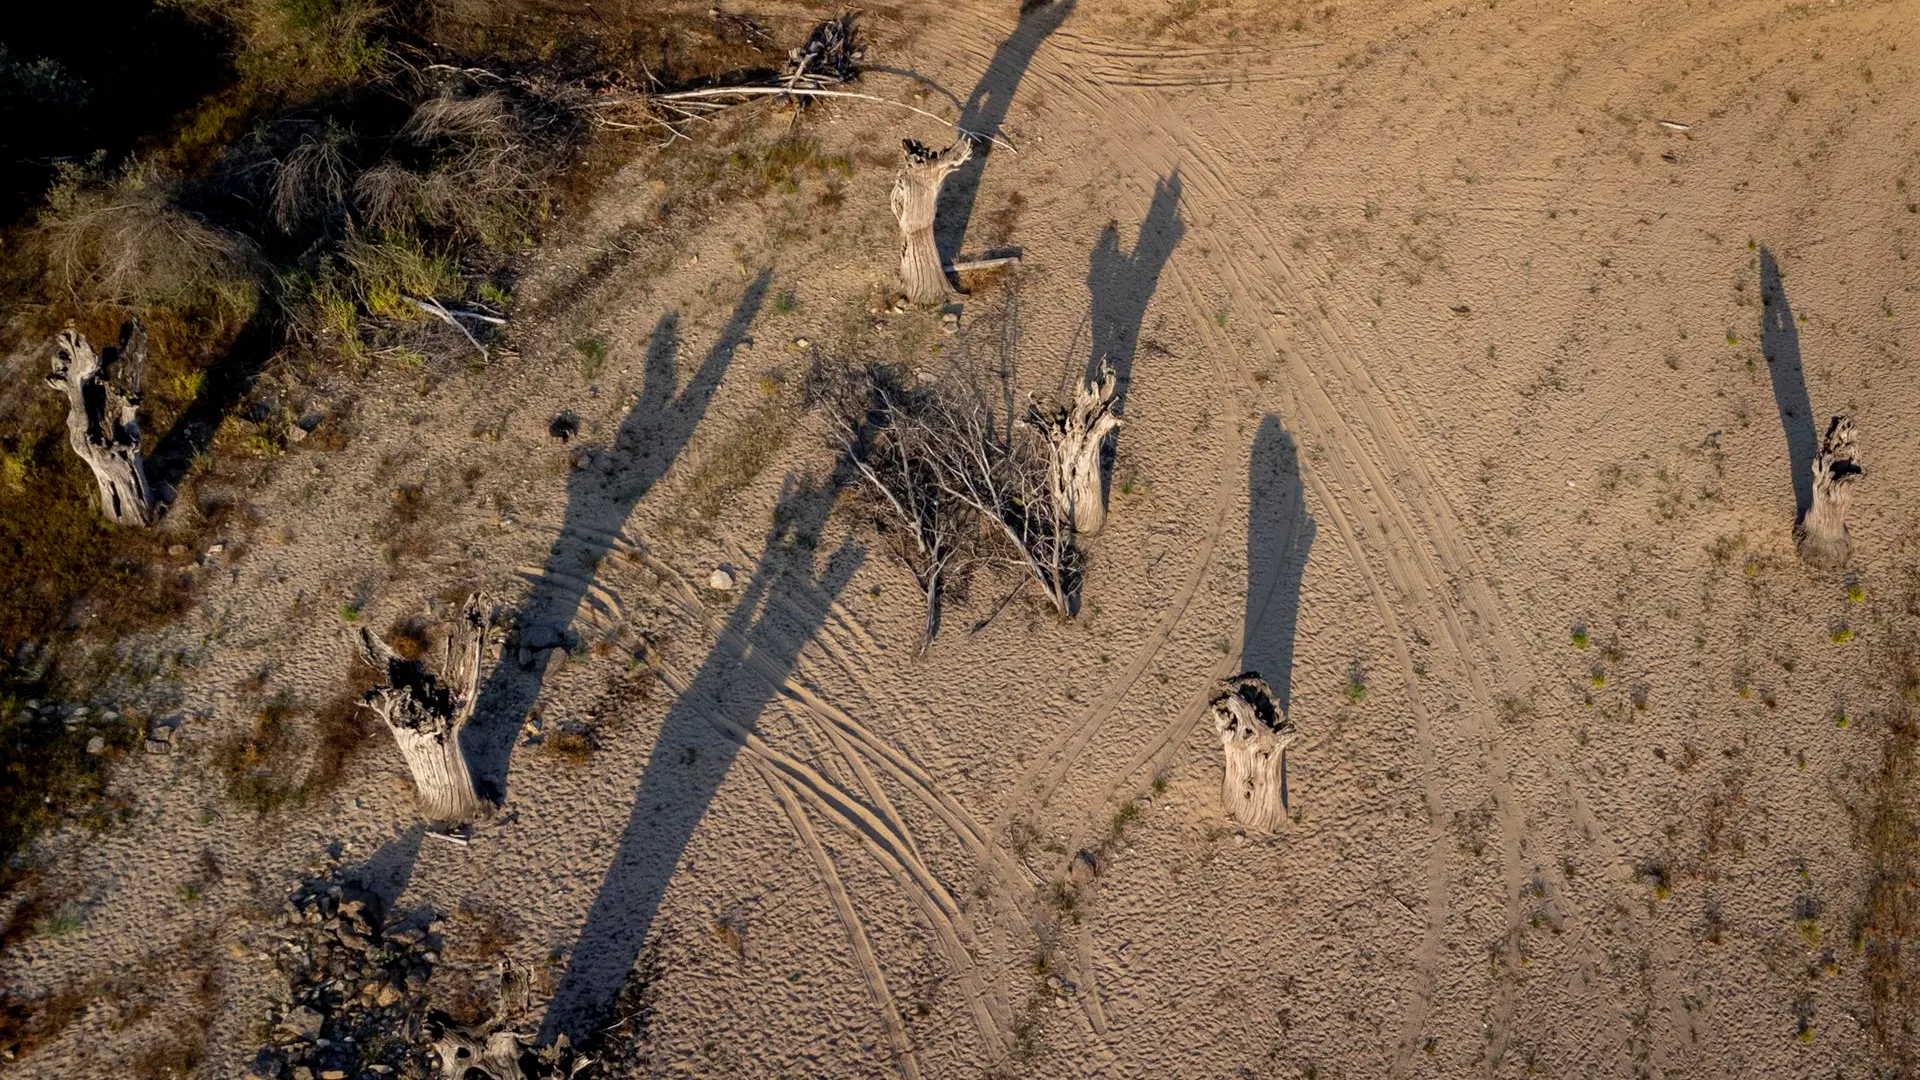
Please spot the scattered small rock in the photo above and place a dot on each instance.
(721, 580)
(96, 746)
(1084, 868)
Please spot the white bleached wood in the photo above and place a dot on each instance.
(916, 192)
(1076, 434)
(1255, 733)
(1822, 535)
(426, 714)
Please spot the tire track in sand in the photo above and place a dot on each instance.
(863, 955)
(1441, 579)
(882, 838)
(1356, 470)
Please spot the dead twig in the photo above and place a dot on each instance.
(439, 311)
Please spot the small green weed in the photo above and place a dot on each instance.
(593, 355)
(63, 920)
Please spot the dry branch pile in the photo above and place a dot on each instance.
(495, 1050)
(830, 57)
(877, 425)
(955, 484)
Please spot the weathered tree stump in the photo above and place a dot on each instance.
(426, 714)
(103, 401)
(1255, 733)
(1076, 434)
(1822, 534)
(915, 192)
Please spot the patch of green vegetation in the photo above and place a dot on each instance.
(782, 164)
(62, 921)
(1580, 638)
(593, 355)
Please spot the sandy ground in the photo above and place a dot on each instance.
(1438, 345)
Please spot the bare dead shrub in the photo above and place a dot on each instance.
(386, 195)
(877, 423)
(957, 479)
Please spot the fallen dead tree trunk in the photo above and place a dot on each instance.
(916, 192)
(1076, 436)
(1255, 732)
(426, 714)
(103, 427)
(1822, 534)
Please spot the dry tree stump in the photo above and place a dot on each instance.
(1822, 534)
(103, 403)
(1255, 733)
(1076, 434)
(916, 191)
(426, 714)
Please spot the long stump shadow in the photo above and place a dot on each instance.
(1121, 283)
(1780, 344)
(600, 499)
(1279, 535)
(224, 387)
(985, 111)
(693, 754)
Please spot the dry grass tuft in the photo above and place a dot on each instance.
(129, 239)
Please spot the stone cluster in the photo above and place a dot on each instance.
(354, 1006)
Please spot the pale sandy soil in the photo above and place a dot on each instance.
(1440, 345)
